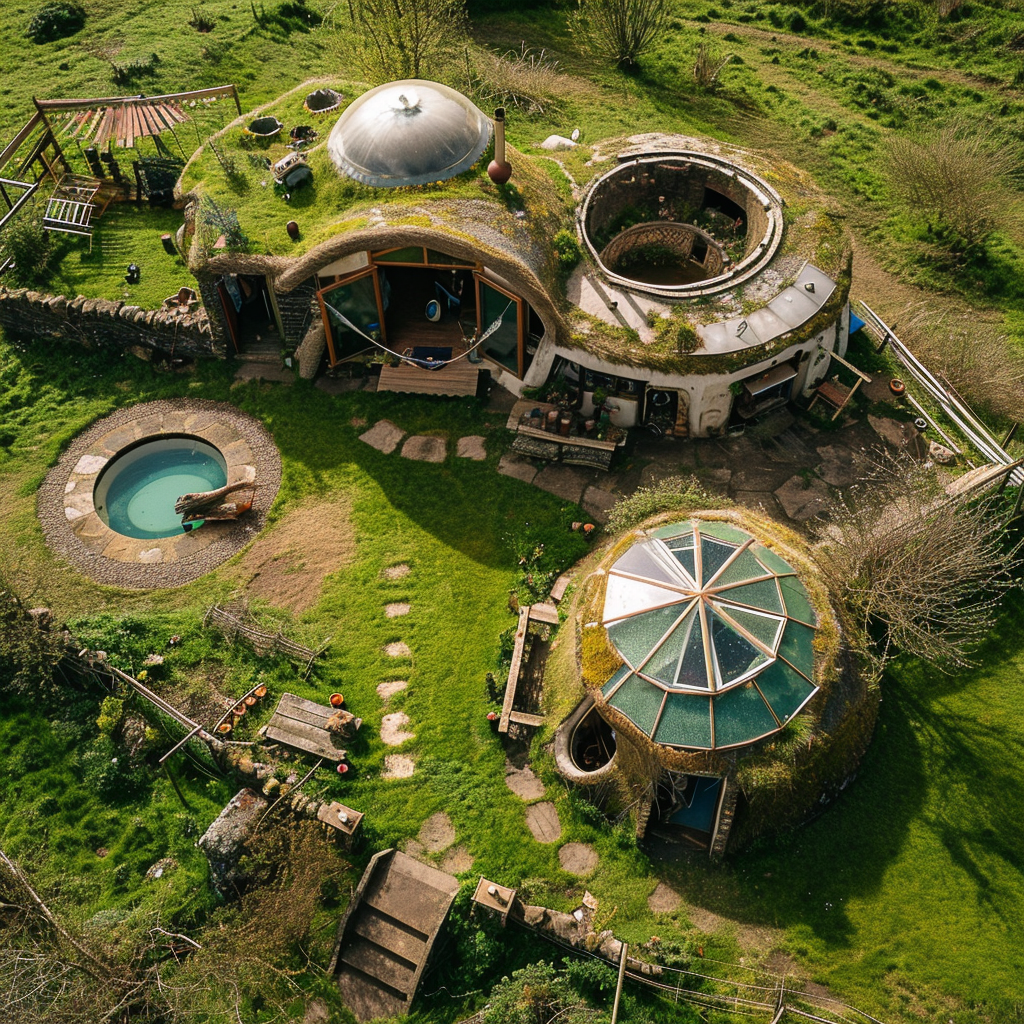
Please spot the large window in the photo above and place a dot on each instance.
(505, 345)
(358, 301)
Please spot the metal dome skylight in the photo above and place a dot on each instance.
(408, 133)
(716, 633)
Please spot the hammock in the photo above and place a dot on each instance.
(424, 364)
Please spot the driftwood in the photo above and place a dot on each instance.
(209, 504)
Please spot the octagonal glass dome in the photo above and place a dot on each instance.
(716, 635)
(408, 133)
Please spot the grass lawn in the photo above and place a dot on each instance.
(906, 897)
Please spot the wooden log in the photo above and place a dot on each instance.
(199, 500)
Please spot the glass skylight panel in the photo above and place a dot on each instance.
(637, 636)
(664, 663)
(693, 670)
(741, 716)
(673, 530)
(726, 532)
(766, 628)
(627, 597)
(763, 595)
(639, 701)
(685, 722)
(617, 677)
(641, 560)
(743, 568)
(773, 562)
(784, 689)
(798, 604)
(735, 654)
(713, 555)
(797, 647)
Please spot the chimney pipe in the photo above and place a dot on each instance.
(499, 170)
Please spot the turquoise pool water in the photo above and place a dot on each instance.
(136, 492)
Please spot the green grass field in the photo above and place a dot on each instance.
(905, 898)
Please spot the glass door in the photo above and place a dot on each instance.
(506, 344)
(358, 299)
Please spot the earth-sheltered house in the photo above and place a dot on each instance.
(713, 285)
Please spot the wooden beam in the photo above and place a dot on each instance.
(835, 355)
(180, 743)
(513, 669)
(14, 145)
(216, 92)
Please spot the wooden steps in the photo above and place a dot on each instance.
(388, 932)
(456, 379)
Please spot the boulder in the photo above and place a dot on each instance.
(941, 454)
(224, 842)
(556, 142)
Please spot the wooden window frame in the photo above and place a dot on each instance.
(370, 271)
(520, 302)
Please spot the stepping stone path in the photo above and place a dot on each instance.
(392, 731)
(523, 782)
(398, 649)
(578, 858)
(457, 860)
(543, 822)
(598, 503)
(425, 449)
(389, 689)
(664, 899)
(437, 833)
(397, 572)
(471, 447)
(802, 499)
(517, 467)
(392, 611)
(384, 436)
(398, 766)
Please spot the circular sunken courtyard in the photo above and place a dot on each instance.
(681, 223)
(108, 504)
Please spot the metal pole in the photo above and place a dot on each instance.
(618, 987)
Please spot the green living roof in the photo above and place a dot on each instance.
(716, 633)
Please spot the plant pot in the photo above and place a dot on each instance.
(240, 710)
(337, 700)
(342, 768)
(225, 728)
(250, 701)
(260, 692)
(897, 387)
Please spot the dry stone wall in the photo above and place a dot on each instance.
(102, 324)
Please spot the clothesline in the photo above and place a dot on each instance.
(432, 364)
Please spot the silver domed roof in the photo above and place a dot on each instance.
(408, 133)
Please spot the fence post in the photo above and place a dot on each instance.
(622, 974)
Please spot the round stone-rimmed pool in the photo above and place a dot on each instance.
(73, 527)
(136, 491)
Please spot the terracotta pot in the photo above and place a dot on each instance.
(897, 387)
(240, 710)
(260, 691)
(337, 699)
(225, 728)
(250, 700)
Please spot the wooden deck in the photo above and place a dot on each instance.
(302, 725)
(456, 379)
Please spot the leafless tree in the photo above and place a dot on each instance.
(955, 177)
(618, 31)
(406, 38)
(925, 568)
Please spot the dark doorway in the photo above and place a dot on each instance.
(723, 204)
(409, 290)
(250, 314)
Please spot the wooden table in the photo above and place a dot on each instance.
(302, 725)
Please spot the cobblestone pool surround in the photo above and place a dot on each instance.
(74, 530)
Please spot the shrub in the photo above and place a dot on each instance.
(111, 716)
(567, 249)
(675, 493)
(36, 252)
(618, 31)
(55, 21)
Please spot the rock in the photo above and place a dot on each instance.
(609, 947)
(384, 436)
(557, 142)
(534, 916)
(517, 467)
(598, 503)
(471, 447)
(425, 449)
(563, 926)
(803, 499)
(897, 434)
(224, 842)
(161, 868)
(543, 822)
(941, 454)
